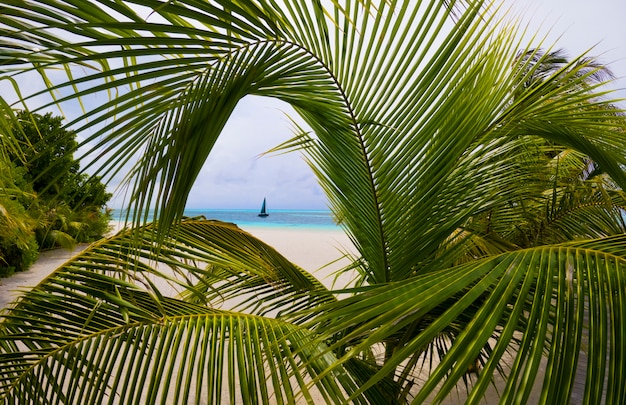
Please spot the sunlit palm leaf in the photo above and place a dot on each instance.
(124, 347)
(108, 319)
(217, 262)
(8, 123)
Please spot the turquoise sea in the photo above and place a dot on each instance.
(276, 218)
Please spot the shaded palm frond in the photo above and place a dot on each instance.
(118, 344)
(486, 304)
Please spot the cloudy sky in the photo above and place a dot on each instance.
(236, 177)
(577, 26)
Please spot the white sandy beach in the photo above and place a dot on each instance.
(320, 251)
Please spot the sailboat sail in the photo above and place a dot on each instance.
(263, 212)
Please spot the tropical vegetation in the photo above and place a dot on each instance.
(479, 178)
(51, 204)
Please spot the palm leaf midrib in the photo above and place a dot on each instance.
(368, 164)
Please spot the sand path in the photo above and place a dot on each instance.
(309, 249)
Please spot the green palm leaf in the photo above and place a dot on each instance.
(105, 319)
(205, 354)
(431, 127)
(486, 304)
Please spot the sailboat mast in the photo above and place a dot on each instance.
(263, 212)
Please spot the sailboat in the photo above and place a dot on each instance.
(263, 213)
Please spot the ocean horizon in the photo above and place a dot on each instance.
(278, 218)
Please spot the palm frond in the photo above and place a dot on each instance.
(116, 321)
(433, 129)
(496, 303)
(117, 343)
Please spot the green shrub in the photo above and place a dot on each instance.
(92, 224)
(15, 257)
(18, 244)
